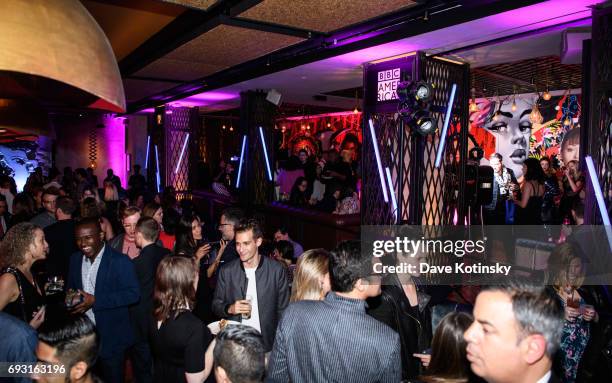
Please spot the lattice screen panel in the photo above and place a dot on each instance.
(426, 195)
(179, 122)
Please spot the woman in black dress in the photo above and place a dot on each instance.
(190, 243)
(20, 295)
(299, 196)
(179, 339)
(529, 206)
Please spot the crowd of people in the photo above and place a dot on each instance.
(544, 194)
(130, 279)
(328, 183)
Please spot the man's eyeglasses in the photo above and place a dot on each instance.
(223, 224)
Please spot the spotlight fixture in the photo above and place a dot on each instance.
(496, 116)
(473, 106)
(513, 107)
(231, 129)
(423, 123)
(423, 91)
(567, 121)
(223, 127)
(546, 96)
(356, 110)
(328, 125)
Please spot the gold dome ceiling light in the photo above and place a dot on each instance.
(55, 52)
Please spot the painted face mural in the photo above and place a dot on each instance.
(499, 129)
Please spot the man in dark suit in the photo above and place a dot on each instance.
(60, 237)
(107, 282)
(5, 216)
(145, 264)
(335, 340)
(515, 334)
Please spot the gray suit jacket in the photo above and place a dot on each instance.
(334, 341)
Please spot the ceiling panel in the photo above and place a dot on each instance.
(226, 46)
(322, 15)
(199, 4)
(177, 69)
(129, 24)
(138, 89)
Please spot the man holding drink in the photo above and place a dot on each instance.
(252, 289)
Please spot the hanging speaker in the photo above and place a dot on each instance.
(274, 97)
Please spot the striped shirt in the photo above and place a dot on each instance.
(333, 341)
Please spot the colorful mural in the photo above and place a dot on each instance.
(498, 128)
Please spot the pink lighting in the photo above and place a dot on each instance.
(335, 114)
(113, 136)
(212, 96)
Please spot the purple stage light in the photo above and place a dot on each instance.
(449, 110)
(157, 169)
(392, 192)
(178, 164)
(244, 140)
(147, 155)
(265, 150)
(378, 162)
(605, 218)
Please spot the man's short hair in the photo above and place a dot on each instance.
(578, 208)
(93, 221)
(282, 230)
(249, 224)
(149, 228)
(233, 215)
(51, 190)
(536, 310)
(240, 352)
(347, 264)
(74, 339)
(66, 205)
(496, 155)
(130, 211)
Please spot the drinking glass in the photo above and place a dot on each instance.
(248, 315)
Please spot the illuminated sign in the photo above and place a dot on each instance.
(387, 84)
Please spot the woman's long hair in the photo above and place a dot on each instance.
(298, 197)
(534, 170)
(110, 192)
(311, 267)
(174, 287)
(559, 265)
(185, 243)
(448, 350)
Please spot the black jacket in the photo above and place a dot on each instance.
(272, 294)
(413, 324)
(145, 265)
(62, 245)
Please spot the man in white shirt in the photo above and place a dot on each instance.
(252, 277)
(515, 334)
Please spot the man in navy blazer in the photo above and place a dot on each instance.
(107, 281)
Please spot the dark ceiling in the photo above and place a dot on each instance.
(526, 76)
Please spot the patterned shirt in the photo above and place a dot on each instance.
(89, 274)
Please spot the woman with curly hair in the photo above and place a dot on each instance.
(20, 295)
(179, 338)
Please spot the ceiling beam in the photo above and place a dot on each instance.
(186, 27)
(269, 27)
(387, 28)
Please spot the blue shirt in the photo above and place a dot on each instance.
(18, 343)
